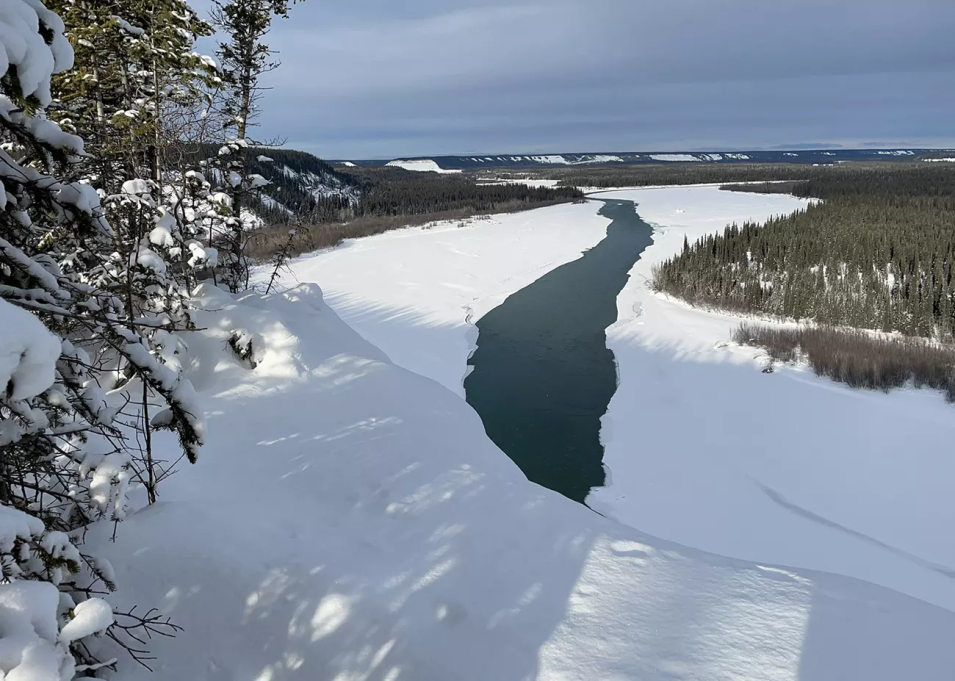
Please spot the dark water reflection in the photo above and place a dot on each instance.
(543, 375)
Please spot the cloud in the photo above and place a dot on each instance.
(375, 78)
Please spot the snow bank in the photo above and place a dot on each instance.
(424, 166)
(350, 520)
(416, 293)
(706, 450)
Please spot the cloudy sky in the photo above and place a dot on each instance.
(390, 78)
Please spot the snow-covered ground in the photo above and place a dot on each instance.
(415, 292)
(706, 450)
(674, 158)
(350, 520)
(702, 448)
(421, 165)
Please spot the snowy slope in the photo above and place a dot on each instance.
(706, 450)
(424, 166)
(350, 520)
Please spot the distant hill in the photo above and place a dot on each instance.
(301, 185)
(803, 156)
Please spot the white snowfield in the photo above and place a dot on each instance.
(424, 166)
(704, 449)
(350, 520)
(674, 158)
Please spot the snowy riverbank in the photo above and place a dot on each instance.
(350, 520)
(414, 293)
(704, 449)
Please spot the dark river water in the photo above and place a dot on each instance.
(542, 374)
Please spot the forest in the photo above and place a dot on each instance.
(305, 190)
(387, 199)
(126, 180)
(698, 173)
(875, 252)
(396, 191)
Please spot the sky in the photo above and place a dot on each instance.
(381, 79)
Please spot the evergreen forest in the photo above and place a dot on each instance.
(875, 251)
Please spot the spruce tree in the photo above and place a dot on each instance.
(244, 58)
(92, 314)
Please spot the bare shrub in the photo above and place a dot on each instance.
(857, 358)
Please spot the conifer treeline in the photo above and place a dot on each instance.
(706, 173)
(306, 189)
(395, 191)
(877, 252)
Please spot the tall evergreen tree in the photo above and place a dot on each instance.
(244, 58)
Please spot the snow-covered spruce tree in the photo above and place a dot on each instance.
(244, 58)
(84, 346)
(135, 66)
(136, 85)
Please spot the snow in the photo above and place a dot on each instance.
(604, 158)
(350, 519)
(16, 525)
(24, 48)
(31, 647)
(705, 450)
(137, 187)
(428, 281)
(348, 164)
(939, 160)
(424, 166)
(28, 631)
(128, 27)
(89, 617)
(674, 158)
(562, 160)
(269, 202)
(424, 322)
(28, 353)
